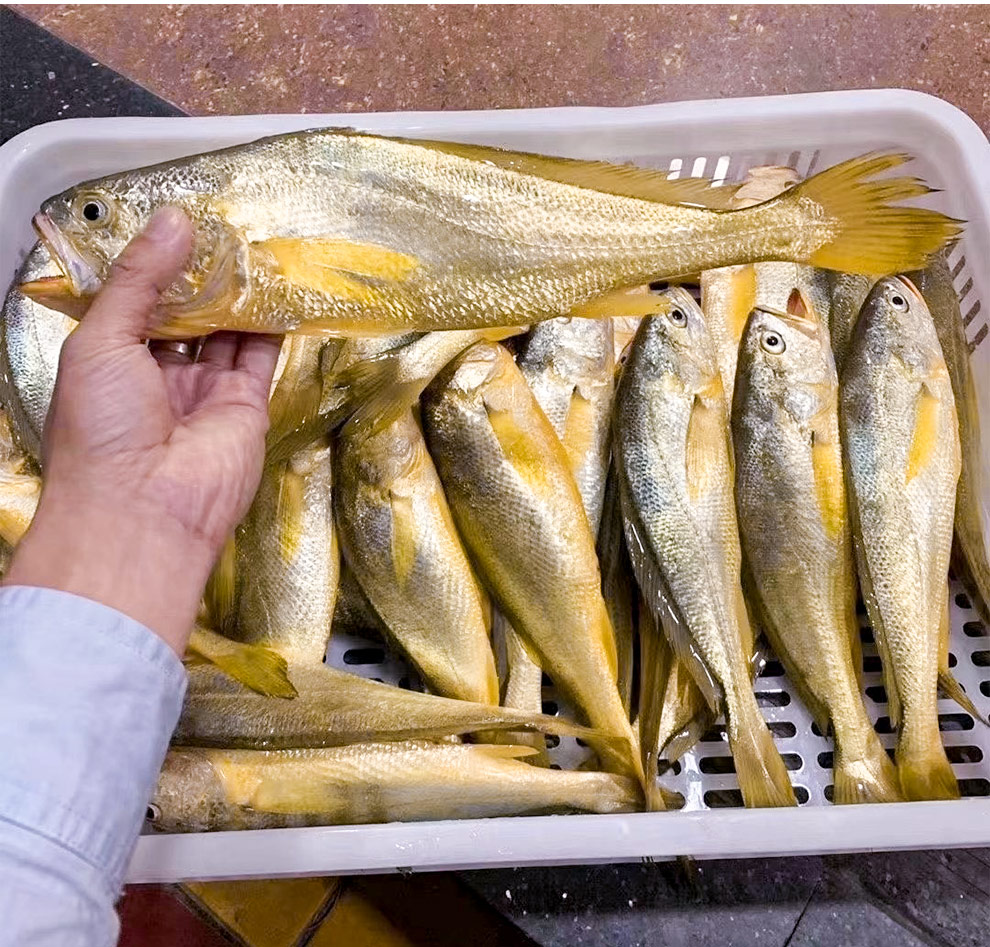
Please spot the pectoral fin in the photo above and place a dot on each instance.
(830, 491)
(707, 453)
(925, 437)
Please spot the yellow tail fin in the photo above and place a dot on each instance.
(762, 776)
(865, 232)
(257, 667)
(927, 775)
(870, 778)
(953, 690)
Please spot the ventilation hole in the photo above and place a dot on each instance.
(698, 169)
(550, 708)
(974, 787)
(877, 694)
(985, 688)
(860, 608)
(714, 734)
(783, 729)
(830, 792)
(949, 722)
(675, 168)
(981, 659)
(580, 742)
(890, 753)
(957, 269)
(964, 754)
(952, 660)
(792, 761)
(825, 760)
(866, 634)
(665, 766)
(975, 629)
(801, 794)
(717, 765)
(883, 725)
(553, 741)
(324, 659)
(723, 799)
(962, 600)
(816, 730)
(721, 169)
(364, 656)
(773, 698)
(545, 680)
(772, 669)
(872, 664)
(554, 766)
(966, 287)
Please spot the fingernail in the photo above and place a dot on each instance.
(166, 224)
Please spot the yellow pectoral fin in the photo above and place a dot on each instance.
(579, 431)
(330, 266)
(619, 303)
(826, 463)
(518, 446)
(925, 437)
(742, 298)
(404, 541)
(289, 513)
(707, 455)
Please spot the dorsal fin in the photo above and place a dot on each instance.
(622, 180)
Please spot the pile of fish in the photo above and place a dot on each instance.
(493, 446)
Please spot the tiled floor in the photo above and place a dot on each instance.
(348, 58)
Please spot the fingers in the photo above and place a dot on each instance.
(257, 356)
(125, 309)
(173, 351)
(220, 350)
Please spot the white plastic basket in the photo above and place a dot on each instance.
(715, 138)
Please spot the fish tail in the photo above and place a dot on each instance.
(254, 666)
(523, 690)
(975, 567)
(863, 229)
(761, 772)
(925, 772)
(869, 777)
(954, 691)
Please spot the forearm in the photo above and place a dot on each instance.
(88, 701)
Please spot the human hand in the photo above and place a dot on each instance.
(150, 458)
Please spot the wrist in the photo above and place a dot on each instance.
(146, 565)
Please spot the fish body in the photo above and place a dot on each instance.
(519, 512)
(900, 440)
(334, 708)
(31, 338)
(400, 541)
(796, 536)
(212, 789)
(848, 293)
(343, 232)
(935, 284)
(671, 442)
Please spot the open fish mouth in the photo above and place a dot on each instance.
(80, 277)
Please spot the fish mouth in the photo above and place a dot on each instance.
(80, 277)
(807, 327)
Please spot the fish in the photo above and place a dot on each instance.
(569, 365)
(400, 541)
(729, 294)
(335, 708)
(31, 338)
(672, 447)
(848, 292)
(618, 587)
(796, 536)
(205, 790)
(341, 232)
(519, 512)
(935, 285)
(353, 614)
(20, 486)
(901, 455)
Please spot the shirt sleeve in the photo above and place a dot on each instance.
(88, 701)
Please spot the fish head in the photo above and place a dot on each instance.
(86, 227)
(190, 794)
(675, 342)
(571, 348)
(785, 360)
(895, 322)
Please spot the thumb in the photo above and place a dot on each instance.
(124, 311)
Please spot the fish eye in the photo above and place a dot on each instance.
(773, 343)
(677, 317)
(899, 302)
(94, 211)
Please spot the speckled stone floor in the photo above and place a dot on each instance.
(222, 59)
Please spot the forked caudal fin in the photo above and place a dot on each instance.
(761, 772)
(927, 775)
(870, 778)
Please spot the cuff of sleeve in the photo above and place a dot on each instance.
(88, 701)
